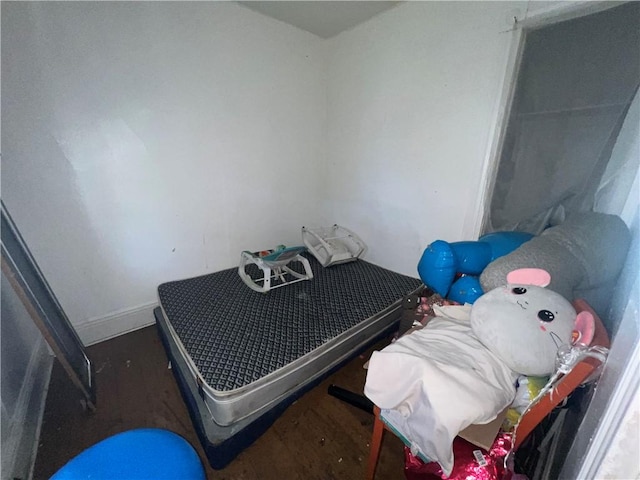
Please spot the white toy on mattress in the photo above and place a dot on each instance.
(461, 368)
(333, 245)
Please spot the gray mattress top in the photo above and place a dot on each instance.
(236, 336)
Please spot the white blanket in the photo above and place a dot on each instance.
(438, 381)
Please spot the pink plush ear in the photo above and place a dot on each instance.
(585, 328)
(529, 276)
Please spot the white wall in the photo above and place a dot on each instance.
(26, 365)
(617, 463)
(145, 142)
(412, 100)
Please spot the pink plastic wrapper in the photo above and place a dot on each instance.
(471, 462)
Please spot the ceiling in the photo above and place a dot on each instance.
(323, 18)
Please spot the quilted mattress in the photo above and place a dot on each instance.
(247, 351)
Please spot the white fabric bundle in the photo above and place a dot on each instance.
(437, 381)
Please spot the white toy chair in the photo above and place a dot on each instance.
(333, 245)
(272, 266)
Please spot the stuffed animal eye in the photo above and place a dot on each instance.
(519, 290)
(546, 315)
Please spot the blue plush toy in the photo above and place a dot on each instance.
(441, 261)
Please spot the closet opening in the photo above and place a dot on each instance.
(576, 82)
(566, 148)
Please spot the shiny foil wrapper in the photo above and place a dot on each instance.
(470, 462)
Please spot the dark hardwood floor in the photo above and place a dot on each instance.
(318, 437)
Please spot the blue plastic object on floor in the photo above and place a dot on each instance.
(146, 453)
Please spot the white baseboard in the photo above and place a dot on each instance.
(115, 324)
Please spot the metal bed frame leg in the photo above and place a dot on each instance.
(358, 401)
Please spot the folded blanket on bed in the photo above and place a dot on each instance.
(437, 381)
